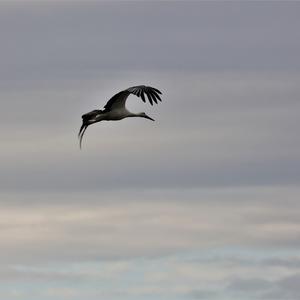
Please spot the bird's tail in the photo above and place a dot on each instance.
(82, 130)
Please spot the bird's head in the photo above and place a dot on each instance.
(143, 115)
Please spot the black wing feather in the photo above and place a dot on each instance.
(115, 98)
(153, 96)
(156, 95)
(139, 91)
(143, 97)
(150, 96)
(156, 90)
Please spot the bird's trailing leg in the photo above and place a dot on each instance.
(81, 133)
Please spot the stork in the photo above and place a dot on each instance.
(115, 108)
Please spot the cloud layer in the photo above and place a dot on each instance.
(201, 204)
(187, 243)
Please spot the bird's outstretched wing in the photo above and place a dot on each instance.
(118, 100)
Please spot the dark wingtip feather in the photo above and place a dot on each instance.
(151, 93)
(156, 95)
(143, 96)
(149, 98)
(158, 91)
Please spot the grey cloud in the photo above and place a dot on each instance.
(28, 275)
(274, 262)
(96, 225)
(61, 40)
(211, 130)
(286, 287)
(289, 286)
(253, 285)
(285, 263)
(203, 294)
(217, 171)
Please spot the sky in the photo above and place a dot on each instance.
(203, 203)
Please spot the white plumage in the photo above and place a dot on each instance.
(115, 108)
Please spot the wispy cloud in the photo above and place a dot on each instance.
(211, 130)
(201, 204)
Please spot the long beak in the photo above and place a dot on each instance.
(147, 117)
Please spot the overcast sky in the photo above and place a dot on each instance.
(203, 203)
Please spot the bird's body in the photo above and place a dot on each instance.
(115, 108)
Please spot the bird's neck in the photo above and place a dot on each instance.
(130, 114)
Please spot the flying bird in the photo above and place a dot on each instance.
(115, 109)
